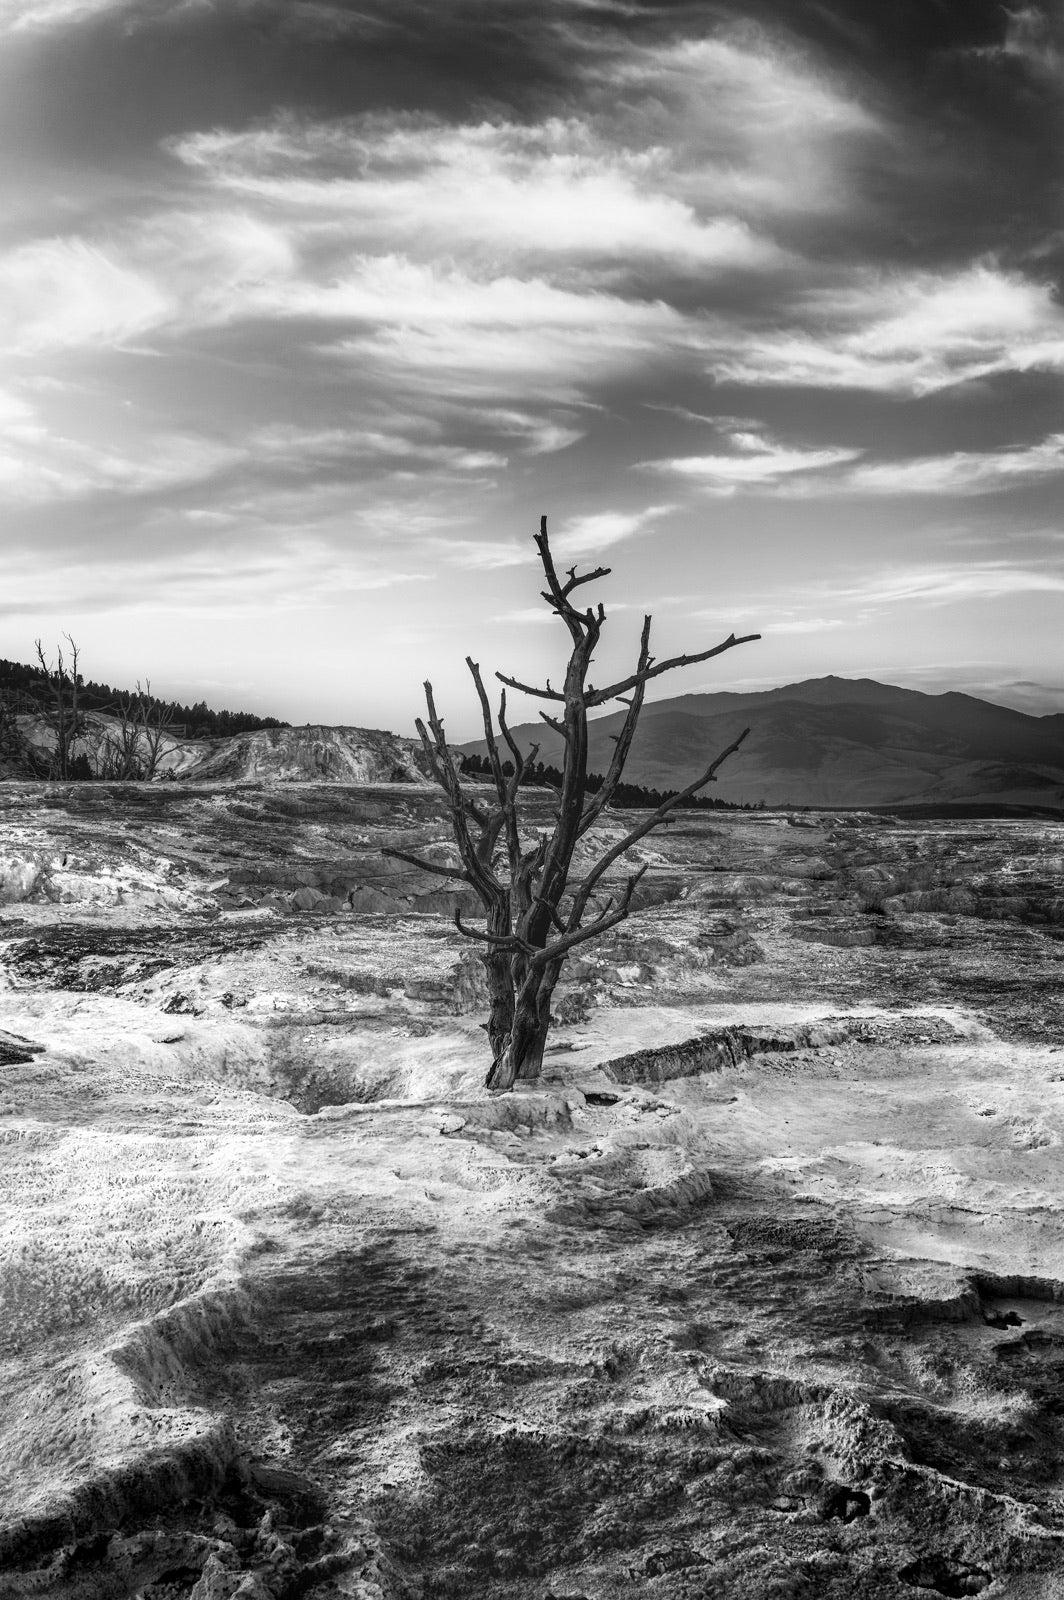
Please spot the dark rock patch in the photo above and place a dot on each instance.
(945, 1575)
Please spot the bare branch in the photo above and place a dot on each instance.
(526, 688)
(587, 577)
(559, 727)
(489, 732)
(521, 762)
(582, 625)
(591, 930)
(600, 696)
(477, 860)
(622, 741)
(435, 867)
(430, 753)
(499, 941)
(440, 765)
(650, 822)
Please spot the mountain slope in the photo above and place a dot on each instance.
(838, 741)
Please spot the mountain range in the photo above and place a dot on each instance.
(836, 742)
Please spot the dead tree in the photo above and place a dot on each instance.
(63, 710)
(534, 916)
(131, 752)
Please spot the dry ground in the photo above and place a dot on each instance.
(760, 1293)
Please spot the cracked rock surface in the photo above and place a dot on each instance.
(758, 1293)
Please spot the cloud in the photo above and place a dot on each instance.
(760, 464)
(536, 435)
(439, 329)
(531, 615)
(948, 585)
(26, 16)
(479, 554)
(900, 333)
(588, 535)
(932, 584)
(749, 122)
(802, 625)
(962, 472)
(433, 324)
(546, 190)
(1031, 38)
(69, 293)
(39, 466)
(756, 462)
(171, 582)
(308, 450)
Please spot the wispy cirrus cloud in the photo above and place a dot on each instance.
(599, 530)
(761, 465)
(58, 294)
(39, 465)
(226, 583)
(854, 594)
(942, 585)
(961, 472)
(32, 16)
(747, 121)
(555, 189)
(753, 462)
(900, 333)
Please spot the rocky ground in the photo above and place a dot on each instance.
(759, 1294)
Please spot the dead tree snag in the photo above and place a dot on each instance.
(535, 912)
(132, 751)
(64, 712)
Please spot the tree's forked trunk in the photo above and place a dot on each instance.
(522, 1054)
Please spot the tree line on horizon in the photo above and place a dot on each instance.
(633, 796)
(30, 682)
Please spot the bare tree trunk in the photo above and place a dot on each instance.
(500, 987)
(522, 1055)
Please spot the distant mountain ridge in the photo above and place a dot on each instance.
(837, 741)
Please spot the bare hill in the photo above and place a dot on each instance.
(839, 742)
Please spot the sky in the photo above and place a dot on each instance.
(309, 310)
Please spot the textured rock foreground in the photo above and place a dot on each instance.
(761, 1294)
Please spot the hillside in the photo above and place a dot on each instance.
(343, 755)
(838, 742)
(279, 754)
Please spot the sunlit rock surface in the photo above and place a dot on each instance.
(759, 1293)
